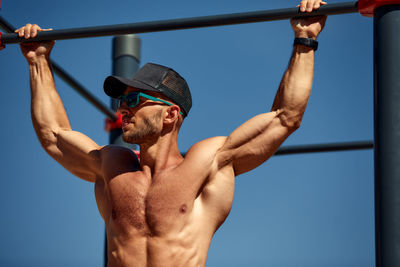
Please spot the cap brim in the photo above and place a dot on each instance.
(115, 86)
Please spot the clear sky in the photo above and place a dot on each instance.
(296, 210)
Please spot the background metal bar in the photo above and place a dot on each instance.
(60, 72)
(83, 91)
(387, 134)
(6, 26)
(318, 148)
(185, 23)
(330, 147)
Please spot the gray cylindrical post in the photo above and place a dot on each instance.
(387, 134)
(126, 60)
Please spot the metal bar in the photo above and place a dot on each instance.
(5, 25)
(330, 147)
(80, 89)
(60, 72)
(318, 148)
(184, 23)
(387, 134)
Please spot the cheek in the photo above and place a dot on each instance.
(158, 118)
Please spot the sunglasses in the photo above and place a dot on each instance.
(132, 99)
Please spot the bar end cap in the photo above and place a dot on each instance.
(367, 7)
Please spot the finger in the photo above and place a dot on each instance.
(20, 32)
(310, 6)
(303, 5)
(35, 28)
(27, 30)
(321, 3)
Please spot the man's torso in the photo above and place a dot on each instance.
(166, 218)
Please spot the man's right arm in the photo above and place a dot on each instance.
(75, 151)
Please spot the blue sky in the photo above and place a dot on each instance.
(295, 210)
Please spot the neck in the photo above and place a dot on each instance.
(160, 155)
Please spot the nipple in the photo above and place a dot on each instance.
(183, 208)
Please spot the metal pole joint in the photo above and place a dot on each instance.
(367, 7)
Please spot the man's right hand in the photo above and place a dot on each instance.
(34, 50)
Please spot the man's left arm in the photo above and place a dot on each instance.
(256, 140)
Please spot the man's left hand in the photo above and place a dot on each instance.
(309, 27)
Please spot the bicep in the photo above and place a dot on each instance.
(254, 142)
(77, 153)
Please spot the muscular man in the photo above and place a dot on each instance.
(163, 209)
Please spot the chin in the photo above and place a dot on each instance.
(128, 139)
(132, 138)
(143, 134)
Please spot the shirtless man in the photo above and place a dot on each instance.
(163, 209)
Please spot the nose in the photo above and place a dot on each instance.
(123, 109)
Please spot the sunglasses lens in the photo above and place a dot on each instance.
(132, 100)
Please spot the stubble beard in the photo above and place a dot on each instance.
(147, 129)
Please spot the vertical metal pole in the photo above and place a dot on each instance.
(387, 134)
(126, 60)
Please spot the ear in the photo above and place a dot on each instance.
(171, 114)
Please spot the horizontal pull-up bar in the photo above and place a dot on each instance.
(60, 72)
(185, 23)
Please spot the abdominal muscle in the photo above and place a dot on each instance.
(187, 247)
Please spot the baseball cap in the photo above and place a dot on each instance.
(155, 78)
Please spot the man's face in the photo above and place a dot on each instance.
(142, 123)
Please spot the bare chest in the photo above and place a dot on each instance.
(153, 207)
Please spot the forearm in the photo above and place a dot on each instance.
(295, 88)
(47, 110)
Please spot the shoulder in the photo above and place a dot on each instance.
(113, 153)
(117, 160)
(200, 158)
(206, 148)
